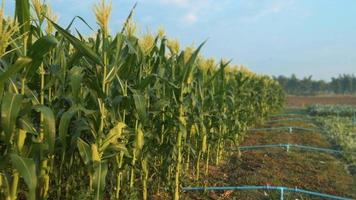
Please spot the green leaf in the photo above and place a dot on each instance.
(140, 105)
(100, 171)
(37, 52)
(64, 124)
(21, 137)
(75, 78)
(190, 64)
(81, 19)
(49, 126)
(4, 184)
(42, 46)
(128, 18)
(220, 71)
(139, 139)
(10, 108)
(79, 45)
(27, 125)
(27, 169)
(23, 15)
(1, 90)
(19, 64)
(84, 151)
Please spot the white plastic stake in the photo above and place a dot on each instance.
(282, 193)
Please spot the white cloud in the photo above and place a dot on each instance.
(190, 18)
(275, 7)
(194, 10)
(176, 2)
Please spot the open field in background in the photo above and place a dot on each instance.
(302, 101)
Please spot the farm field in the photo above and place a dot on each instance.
(310, 170)
(122, 116)
(339, 123)
(303, 101)
(111, 112)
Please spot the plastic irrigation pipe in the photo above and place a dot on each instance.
(287, 114)
(291, 119)
(281, 128)
(304, 116)
(288, 146)
(281, 189)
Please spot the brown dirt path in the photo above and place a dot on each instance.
(301, 101)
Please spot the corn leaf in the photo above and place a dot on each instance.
(5, 186)
(42, 46)
(64, 124)
(27, 125)
(10, 108)
(1, 90)
(140, 105)
(37, 52)
(22, 13)
(49, 126)
(190, 64)
(100, 171)
(79, 45)
(75, 80)
(84, 151)
(220, 71)
(27, 169)
(20, 63)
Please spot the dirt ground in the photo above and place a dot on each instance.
(309, 170)
(301, 101)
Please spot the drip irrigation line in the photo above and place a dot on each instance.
(286, 115)
(279, 188)
(298, 119)
(283, 128)
(289, 146)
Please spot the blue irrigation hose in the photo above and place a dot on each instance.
(317, 149)
(305, 129)
(282, 128)
(291, 119)
(281, 189)
(286, 114)
(309, 121)
(288, 146)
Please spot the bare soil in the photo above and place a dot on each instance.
(307, 170)
(302, 101)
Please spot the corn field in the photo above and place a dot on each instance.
(122, 116)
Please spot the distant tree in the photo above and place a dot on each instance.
(343, 84)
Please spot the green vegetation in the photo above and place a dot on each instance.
(116, 116)
(334, 110)
(343, 132)
(343, 84)
(339, 122)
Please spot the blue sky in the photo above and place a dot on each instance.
(305, 37)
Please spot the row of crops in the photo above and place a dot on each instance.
(122, 116)
(337, 110)
(339, 122)
(343, 131)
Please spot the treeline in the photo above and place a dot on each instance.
(343, 84)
